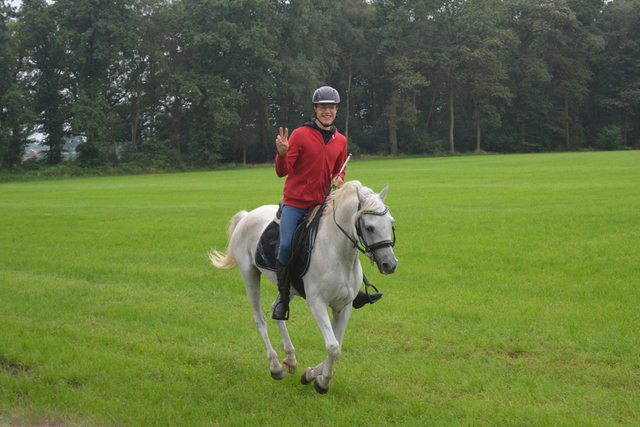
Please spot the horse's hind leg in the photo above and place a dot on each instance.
(252, 283)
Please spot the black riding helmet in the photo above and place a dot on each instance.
(326, 95)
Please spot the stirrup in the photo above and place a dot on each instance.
(363, 298)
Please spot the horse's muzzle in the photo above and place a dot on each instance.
(387, 263)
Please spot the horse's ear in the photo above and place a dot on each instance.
(361, 196)
(383, 193)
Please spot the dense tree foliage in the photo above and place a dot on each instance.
(198, 82)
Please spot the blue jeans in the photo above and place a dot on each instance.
(288, 222)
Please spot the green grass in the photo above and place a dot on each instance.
(515, 302)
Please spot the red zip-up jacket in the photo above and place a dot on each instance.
(309, 166)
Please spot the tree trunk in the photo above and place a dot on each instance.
(374, 114)
(55, 137)
(152, 117)
(263, 120)
(393, 135)
(591, 137)
(348, 108)
(477, 113)
(134, 125)
(451, 119)
(433, 101)
(566, 121)
(415, 107)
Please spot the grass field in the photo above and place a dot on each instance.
(515, 303)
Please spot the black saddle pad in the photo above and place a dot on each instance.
(267, 250)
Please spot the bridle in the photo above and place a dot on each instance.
(361, 244)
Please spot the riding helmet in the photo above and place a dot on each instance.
(326, 95)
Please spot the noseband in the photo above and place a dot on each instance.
(381, 244)
(362, 245)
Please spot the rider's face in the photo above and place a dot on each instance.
(326, 114)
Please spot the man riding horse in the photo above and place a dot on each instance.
(311, 159)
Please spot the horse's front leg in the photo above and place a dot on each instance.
(333, 335)
(340, 320)
(289, 363)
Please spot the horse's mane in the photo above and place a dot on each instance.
(372, 203)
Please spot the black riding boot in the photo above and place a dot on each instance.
(281, 310)
(363, 298)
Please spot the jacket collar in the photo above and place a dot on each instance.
(314, 125)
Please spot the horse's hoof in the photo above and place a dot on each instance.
(279, 375)
(291, 369)
(303, 378)
(319, 389)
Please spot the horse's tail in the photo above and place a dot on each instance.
(220, 259)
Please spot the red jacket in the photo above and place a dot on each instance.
(309, 166)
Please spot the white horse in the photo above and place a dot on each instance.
(353, 214)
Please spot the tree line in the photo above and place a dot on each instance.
(199, 82)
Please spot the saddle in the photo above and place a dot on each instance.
(303, 239)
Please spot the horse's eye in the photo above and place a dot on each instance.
(370, 229)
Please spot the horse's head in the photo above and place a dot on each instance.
(376, 232)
